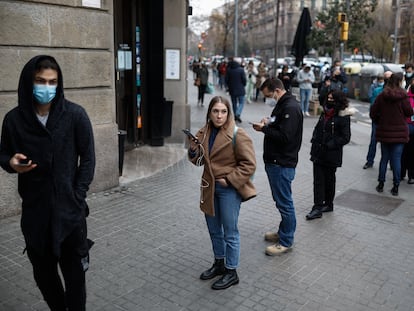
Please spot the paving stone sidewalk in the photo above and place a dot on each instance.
(152, 243)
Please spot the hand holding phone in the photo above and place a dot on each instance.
(22, 163)
(25, 162)
(190, 135)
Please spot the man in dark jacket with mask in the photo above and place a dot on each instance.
(282, 142)
(48, 141)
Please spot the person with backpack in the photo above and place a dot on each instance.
(227, 154)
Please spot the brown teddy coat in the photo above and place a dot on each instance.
(232, 157)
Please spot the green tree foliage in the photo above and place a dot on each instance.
(220, 30)
(325, 33)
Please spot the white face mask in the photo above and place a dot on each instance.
(270, 101)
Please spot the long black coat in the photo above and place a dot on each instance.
(329, 137)
(53, 194)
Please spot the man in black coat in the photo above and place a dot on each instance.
(48, 141)
(281, 145)
(236, 84)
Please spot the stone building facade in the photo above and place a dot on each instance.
(81, 35)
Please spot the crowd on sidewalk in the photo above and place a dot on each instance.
(392, 124)
(54, 194)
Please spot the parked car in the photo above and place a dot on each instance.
(255, 60)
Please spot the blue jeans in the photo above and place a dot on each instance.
(280, 180)
(238, 104)
(391, 152)
(223, 229)
(372, 149)
(304, 99)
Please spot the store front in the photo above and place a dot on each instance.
(139, 46)
(113, 56)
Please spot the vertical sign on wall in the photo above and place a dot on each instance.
(138, 75)
(172, 64)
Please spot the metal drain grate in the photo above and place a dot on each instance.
(371, 203)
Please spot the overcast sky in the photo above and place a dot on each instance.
(204, 7)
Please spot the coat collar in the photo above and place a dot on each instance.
(223, 138)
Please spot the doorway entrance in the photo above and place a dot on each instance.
(138, 35)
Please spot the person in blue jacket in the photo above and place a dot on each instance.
(48, 141)
(375, 90)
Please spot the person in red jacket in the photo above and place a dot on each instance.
(389, 112)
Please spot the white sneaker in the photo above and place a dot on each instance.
(277, 249)
(307, 114)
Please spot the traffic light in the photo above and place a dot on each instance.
(344, 26)
(344, 31)
(341, 17)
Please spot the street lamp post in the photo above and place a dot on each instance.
(276, 37)
(395, 56)
(236, 28)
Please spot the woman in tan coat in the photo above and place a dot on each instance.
(227, 154)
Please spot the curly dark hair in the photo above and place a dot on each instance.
(341, 101)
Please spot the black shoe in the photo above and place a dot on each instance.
(228, 279)
(237, 118)
(217, 269)
(367, 165)
(410, 181)
(394, 190)
(326, 208)
(314, 213)
(380, 187)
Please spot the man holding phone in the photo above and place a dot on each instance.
(282, 141)
(49, 142)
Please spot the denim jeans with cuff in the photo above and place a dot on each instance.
(223, 228)
(280, 180)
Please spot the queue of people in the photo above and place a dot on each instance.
(54, 194)
(392, 113)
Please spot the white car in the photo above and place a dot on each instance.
(256, 61)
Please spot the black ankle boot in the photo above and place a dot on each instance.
(314, 213)
(217, 269)
(380, 187)
(394, 190)
(228, 279)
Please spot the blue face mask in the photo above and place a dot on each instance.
(43, 93)
(381, 84)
